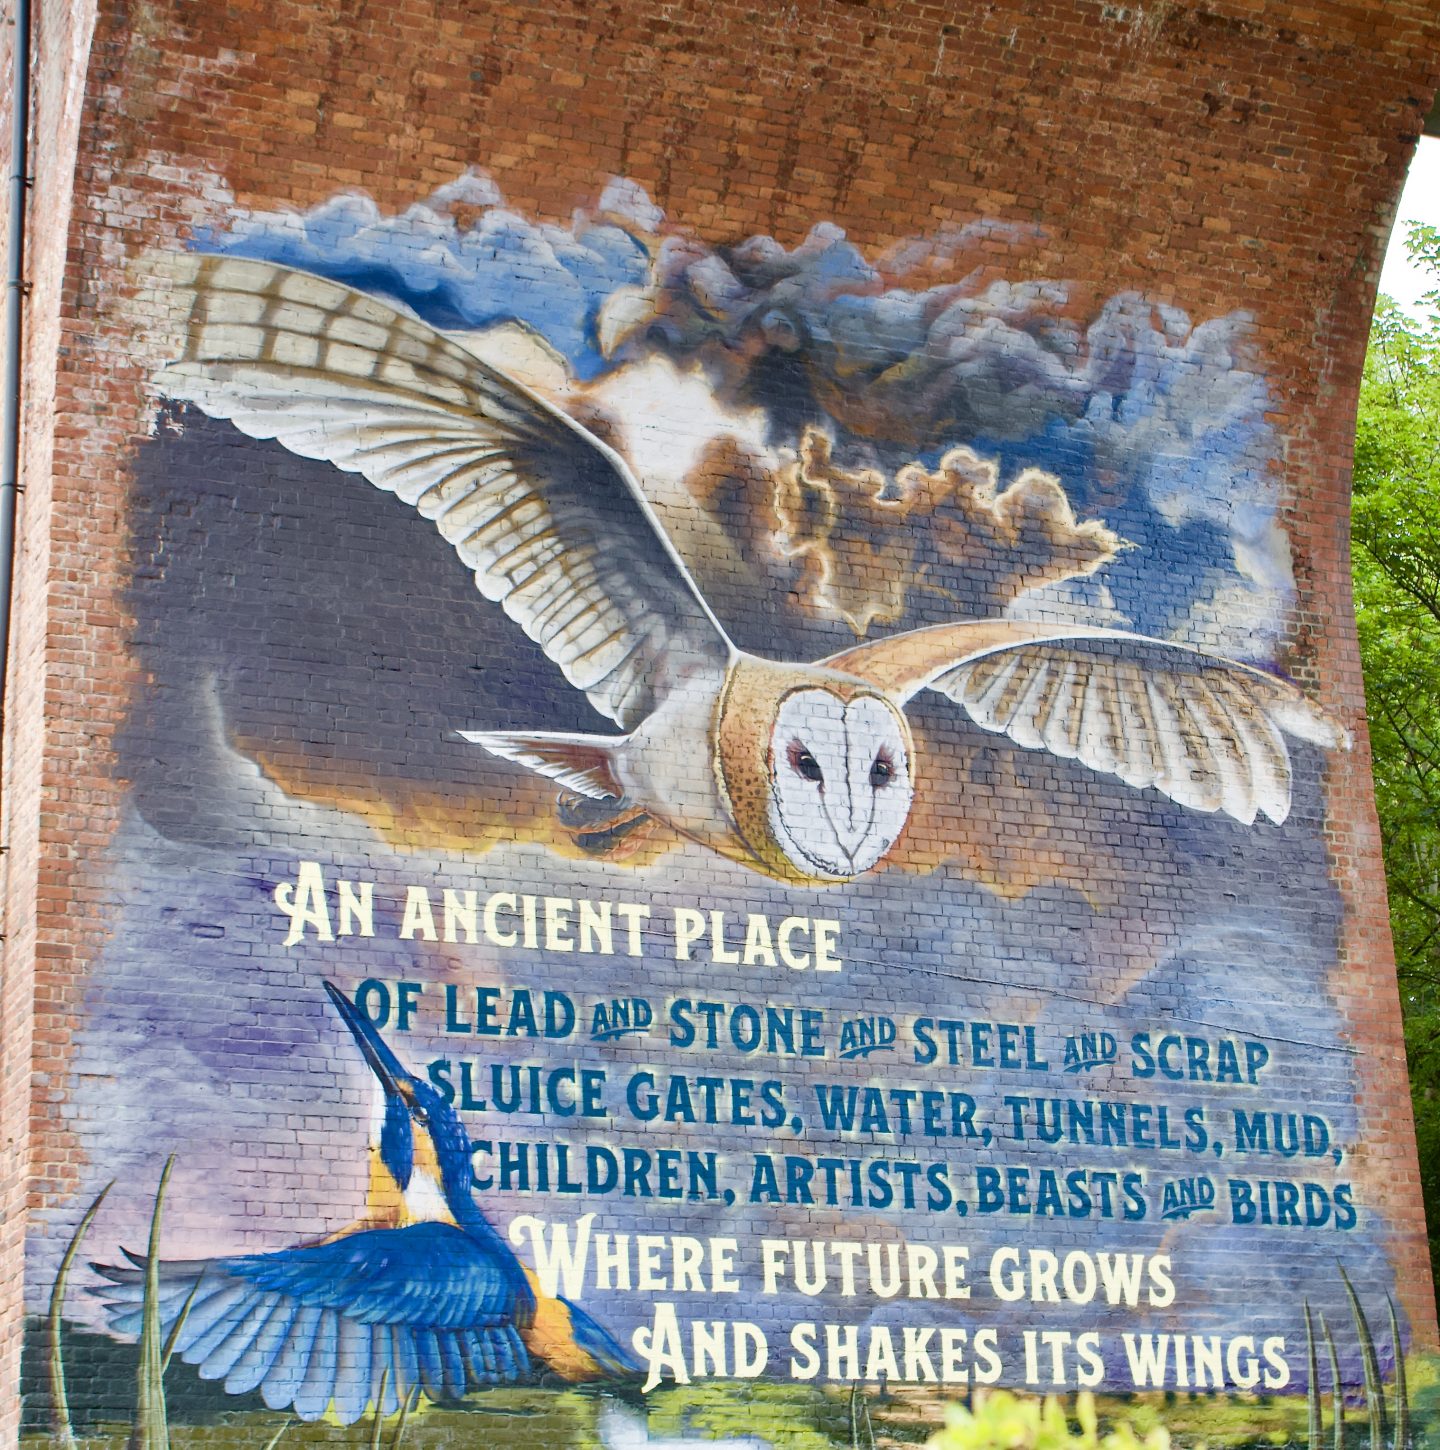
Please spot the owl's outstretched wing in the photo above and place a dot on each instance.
(550, 520)
(1206, 731)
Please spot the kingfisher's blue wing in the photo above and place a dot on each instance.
(427, 1305)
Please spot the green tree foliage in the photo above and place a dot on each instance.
(1396, 562)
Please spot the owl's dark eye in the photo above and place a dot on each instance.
(882, 771)
(803, 763)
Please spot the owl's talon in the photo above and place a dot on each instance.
(584, 813)
(598, 827)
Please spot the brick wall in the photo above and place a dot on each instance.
(32, 870)
(1220, 158)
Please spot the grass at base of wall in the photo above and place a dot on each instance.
(522, 1417)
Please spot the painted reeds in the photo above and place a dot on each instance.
(1374, 1390)
(1402, 1390)
(378, 1418)
(1376, 1409)
(150, 1429)
(408, 1401)
(60, 1428)
(1314, 1426)
(862, 1432)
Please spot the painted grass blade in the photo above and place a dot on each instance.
(275, 1438)
(1374, 1390)
(1402, 1389)
(378, 1418)
(411, 1400)
(173, 1338)
(149, 1430)
(59, 1404)
(1337, 1390)
(1312, 1393)
(862, 1431)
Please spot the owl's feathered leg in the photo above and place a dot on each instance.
(599, 827)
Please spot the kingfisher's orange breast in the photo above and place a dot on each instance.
(550, 1336)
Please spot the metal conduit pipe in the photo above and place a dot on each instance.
(15, 290)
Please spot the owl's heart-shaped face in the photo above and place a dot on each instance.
(840, 781)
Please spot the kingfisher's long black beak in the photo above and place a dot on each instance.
(383, 1063)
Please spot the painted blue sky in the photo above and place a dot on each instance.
(1152, 420)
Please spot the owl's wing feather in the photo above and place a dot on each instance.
(581, 763)
(550, 520)
(1204, 730)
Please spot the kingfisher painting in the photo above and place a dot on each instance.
(803, 771)
(421, 1293)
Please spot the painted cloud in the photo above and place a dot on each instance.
(1149, 421)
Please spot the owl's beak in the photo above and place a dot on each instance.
(849, 835)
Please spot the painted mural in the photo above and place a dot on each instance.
(719, 849)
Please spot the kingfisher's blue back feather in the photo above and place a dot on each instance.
(441, 1303)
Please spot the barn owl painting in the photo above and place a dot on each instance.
(805, 771)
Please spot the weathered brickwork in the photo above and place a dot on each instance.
(1044, 314)
(34, 889)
